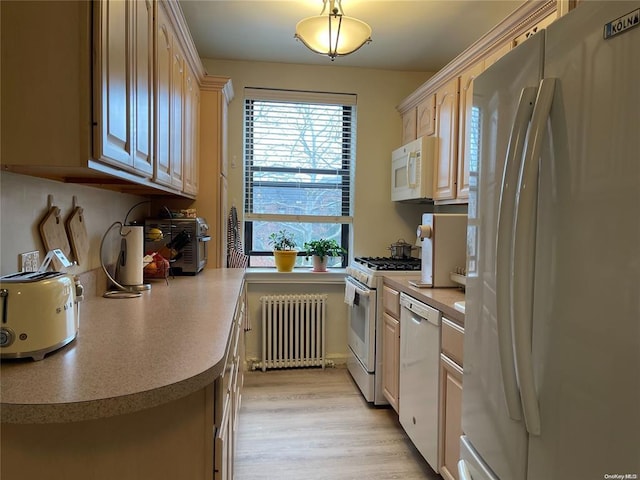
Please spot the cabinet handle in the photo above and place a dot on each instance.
(166, 36)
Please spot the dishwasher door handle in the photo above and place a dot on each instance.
(420, 316)
(419, 309)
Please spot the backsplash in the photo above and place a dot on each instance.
(24, 205)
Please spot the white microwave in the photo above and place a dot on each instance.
(412, 170)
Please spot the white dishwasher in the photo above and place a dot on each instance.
(419, 370)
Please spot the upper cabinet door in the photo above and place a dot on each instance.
(113, 103)
(426, 116)
(143, 85)
(177, 121)
(409, 126)
(447, 133)
(164, 65)
(468, 137)
(191, 129)
(124, 89)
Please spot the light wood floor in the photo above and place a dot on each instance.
(309, 424)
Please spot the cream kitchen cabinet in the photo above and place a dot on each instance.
(176, 122)
(160, 417)
(228, 394)
(391, 345)
(409, 126)
(420, 120)
(215, 95)
(171, 79)
(450, 416)
(123, 33)
(89, 114)
(452, 87)
(426, 116)
(164, 66)
(446, 159)
(191, 133)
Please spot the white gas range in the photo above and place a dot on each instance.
(363, 282)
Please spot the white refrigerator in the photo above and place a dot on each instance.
(551, 386)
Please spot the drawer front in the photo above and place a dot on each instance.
(452, 340)
(391, 301)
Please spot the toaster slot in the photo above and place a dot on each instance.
(4, 294)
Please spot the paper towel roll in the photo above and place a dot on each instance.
(133, 246)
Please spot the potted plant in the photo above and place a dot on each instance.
(320, 251)
(284, 250)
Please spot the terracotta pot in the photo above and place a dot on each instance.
(285, 259)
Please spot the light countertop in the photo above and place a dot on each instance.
(130, 354)
(439, 298)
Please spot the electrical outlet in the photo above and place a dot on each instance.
(28, 261)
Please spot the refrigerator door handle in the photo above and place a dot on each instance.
(504, 249)
(463, 471)
(524, 255)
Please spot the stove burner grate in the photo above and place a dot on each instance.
(390, 264)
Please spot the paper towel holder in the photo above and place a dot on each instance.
(123, 291)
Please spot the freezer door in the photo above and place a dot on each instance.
(471, 465)
(586, 312)
(499, 439)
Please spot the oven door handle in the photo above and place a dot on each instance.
(204, 239)
(360, 291)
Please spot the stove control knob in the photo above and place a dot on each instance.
(424, 231)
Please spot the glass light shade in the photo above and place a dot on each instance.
(333, 35)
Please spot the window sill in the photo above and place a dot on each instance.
(298, 275)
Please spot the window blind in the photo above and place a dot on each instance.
(298, 156)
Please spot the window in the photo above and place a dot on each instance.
(299, 150)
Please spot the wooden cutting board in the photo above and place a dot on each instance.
(53, 233)
(77, 233)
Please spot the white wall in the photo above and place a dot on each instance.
(378, 222)
(23, 203)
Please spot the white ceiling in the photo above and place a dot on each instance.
(418, 35)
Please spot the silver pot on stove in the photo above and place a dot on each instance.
(401, 249)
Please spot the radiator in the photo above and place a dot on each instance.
(293, 330)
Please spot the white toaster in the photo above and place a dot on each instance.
(39, 313)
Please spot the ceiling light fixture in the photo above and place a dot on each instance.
(333, 34)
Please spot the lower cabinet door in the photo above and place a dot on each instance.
(222, 444)
(391, 359)
(450, 417)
